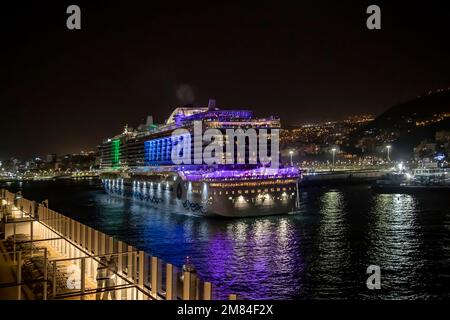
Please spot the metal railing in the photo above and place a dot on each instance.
(75, 254)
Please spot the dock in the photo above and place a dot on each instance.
(343, 177)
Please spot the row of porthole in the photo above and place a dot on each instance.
(262, 199)
(250, 191)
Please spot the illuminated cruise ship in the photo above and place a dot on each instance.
(139, 164)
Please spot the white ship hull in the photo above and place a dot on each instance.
(231, 199)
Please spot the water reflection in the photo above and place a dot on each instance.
(329, 266)
(395, 245)
(321, 252)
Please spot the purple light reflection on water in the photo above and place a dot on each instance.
(253, 257)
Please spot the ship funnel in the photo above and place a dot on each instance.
(211, 104)
(149, 120)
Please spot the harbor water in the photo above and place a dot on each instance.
(321, 252)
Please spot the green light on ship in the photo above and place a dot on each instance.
(115, 151)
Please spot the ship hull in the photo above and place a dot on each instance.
(206, 198)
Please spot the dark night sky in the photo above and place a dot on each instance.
(64, 91)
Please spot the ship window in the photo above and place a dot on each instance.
(278, 189)
(246, 191)
(253, 191)
(232, 192)
(226, 192)
(239, 191)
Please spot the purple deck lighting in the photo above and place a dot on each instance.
(218, 115)
(251, 174)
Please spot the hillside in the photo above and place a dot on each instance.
(405, 115)
(409, 123)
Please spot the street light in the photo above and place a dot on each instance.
(334, 154)
(388, 152)
(291, 153)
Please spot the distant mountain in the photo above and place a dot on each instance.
(405, 115)
(408, 123)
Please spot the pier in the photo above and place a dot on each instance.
(46, 255)
(343, 177)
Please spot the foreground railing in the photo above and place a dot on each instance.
(66, 259)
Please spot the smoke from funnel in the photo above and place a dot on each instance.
(185, 94)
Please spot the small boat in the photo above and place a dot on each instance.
(421, 180)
